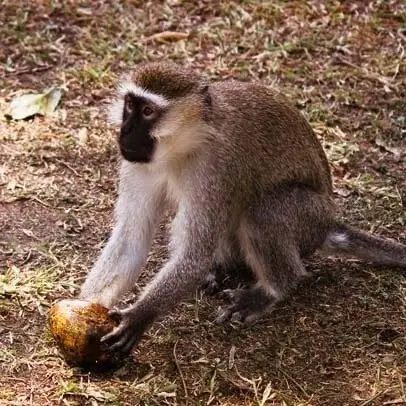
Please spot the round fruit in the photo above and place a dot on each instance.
(77, 326)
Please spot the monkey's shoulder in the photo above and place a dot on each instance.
(254, 105)
(248, 93)
(254, 99)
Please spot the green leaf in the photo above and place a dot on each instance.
(30, 104)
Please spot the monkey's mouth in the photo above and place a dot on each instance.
(143, 153)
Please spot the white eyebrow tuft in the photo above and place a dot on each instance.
(115, 109)
(130, 87)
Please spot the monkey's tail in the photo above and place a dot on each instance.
(346, 241)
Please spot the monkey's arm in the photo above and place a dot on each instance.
(195, 235)
(138, 209)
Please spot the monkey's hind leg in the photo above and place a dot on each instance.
(277, 269)
(274, 236)
(229, 268)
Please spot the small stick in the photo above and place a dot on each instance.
(29, 70)
(180, 373)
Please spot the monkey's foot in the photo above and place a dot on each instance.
(247, 305)
(211, 285)
(234, 276)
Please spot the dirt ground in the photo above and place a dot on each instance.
(341, 338)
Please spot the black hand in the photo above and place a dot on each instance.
(132, 325)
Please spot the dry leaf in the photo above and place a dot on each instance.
(342, 192)
(82, 136)
(397, 152)
(167, 36)
(28, 105)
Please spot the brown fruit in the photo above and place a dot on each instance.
(77, 326)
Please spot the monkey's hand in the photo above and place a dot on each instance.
(133, 322)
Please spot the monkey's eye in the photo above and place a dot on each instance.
(147, 111)
(128, 104)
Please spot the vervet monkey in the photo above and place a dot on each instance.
(247, 177)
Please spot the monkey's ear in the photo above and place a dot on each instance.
(205, 91)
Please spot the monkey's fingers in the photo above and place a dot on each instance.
(225, 315)
(123, 345)
(133, 339)
(211, 286)
(235, 315)
(118, 340)
(116, 315)
(114, 334)
(247, 306)
(230, 294)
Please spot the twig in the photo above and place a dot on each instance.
(36, 199)
(180, 373)
(368, 401)
(23, 198)
(367, 73)
(19, 303)
(294, 381)
(68, 166)
(29, 70)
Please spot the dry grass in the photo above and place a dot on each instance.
(340, 340)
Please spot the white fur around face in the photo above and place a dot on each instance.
(115, 112)
(115, 109)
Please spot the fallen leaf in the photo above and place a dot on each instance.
(167, 36)
(397, 152)
(342, 192)
(28, 105)
(28, 233)
(82, 136)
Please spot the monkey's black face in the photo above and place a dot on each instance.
(139, 117)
